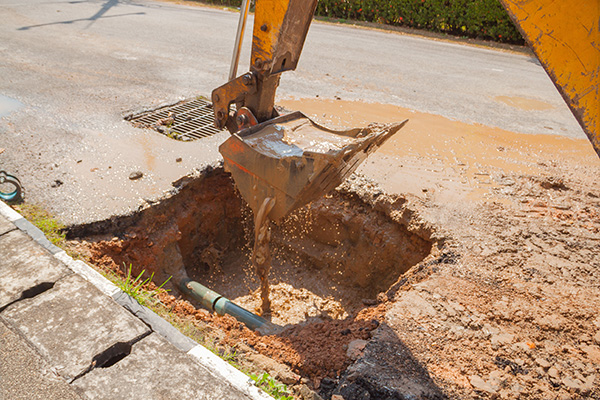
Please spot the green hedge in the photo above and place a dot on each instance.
(484, 19)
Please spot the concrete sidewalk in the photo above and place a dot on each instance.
(67, 333)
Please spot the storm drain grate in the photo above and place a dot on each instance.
(186, 120)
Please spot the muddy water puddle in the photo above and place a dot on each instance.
(433, 156)
(8, 105)
(524, 103)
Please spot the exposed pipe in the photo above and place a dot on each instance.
(213, 301)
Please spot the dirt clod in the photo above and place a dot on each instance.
(136, 175)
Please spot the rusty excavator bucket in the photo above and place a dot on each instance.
(294, 160)
(288, 158)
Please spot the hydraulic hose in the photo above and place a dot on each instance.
(17, 194)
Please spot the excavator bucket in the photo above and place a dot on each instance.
(294, 160)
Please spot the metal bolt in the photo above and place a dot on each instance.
(220, 114)
(258, 63)
(264, 27)
(247, 79)
(241, 119)
(217, 98)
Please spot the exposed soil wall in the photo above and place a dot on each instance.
(206, 228)
(334, 261)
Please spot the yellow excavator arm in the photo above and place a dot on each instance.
(565, 37)
(280, 28)
(272, 156)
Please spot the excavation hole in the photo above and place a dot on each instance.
(331, 258)
(335, 264)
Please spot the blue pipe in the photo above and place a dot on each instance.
(213, 301)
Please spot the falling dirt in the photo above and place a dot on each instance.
(261, 254)
(479, 280)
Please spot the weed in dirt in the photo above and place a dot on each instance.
(136, 288)
(44, 221)
(267, 383)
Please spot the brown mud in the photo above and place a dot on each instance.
(333, 263)
(524, 103)
(470, 270)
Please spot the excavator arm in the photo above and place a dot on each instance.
(289, 159)
(280, 28)
(272, 156)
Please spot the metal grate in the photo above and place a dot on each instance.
(186, 120)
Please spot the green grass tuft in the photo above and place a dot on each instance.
(137, 287)
(267, 383)
(44, 221)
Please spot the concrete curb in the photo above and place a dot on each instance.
(157, 324)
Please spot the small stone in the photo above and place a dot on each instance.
(572, 383)
(521, 346)
(56, 183)
(478, 383)
(553, 373)
(597, 337)
(502, 338)
(585, 338)
(593, 353)
(337, 397)
(519, 361)
(355, 348)
(352, 375)
(542, 363)
(382, 297)
(178, 159)
(516, 388)
(589, 381)
(136, 175)
(308, 394)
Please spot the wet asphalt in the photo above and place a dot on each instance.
(71, 71)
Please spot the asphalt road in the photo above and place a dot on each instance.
(77, 67)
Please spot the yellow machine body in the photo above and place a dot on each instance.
(565, 36)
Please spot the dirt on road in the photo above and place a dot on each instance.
(462, 262)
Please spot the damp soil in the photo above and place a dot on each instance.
(479, 280)
(333, 264)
